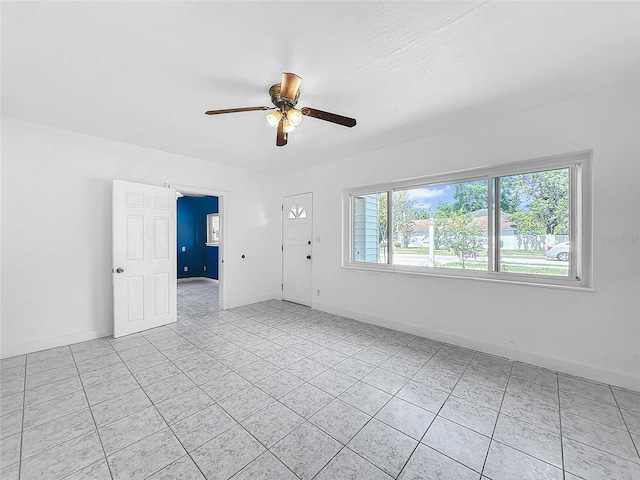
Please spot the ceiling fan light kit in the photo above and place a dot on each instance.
(291, 119)
(285, 117)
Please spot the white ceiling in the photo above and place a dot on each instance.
(144, 72)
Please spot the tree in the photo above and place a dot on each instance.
(421, 214)
(473, 196)
(403, 217)
(470, 196)
(509, 195)
(545, 197)
(538, 202)
(457, 231)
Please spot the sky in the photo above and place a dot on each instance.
(428, 198)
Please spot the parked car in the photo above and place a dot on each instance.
(559, 251)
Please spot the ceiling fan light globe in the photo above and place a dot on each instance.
(274, 118)
(294, 116)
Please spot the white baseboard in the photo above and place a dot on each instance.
(557, 364)
(46, 343)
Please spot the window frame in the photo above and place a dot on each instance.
(580, 222)
(213, 230)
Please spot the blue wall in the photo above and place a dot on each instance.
(192, 234)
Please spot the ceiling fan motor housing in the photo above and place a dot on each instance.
(279, 101)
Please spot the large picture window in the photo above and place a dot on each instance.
(523, 222)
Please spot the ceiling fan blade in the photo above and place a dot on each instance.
(281, 138)
(289, 86)
(234, 110)
(329, 117)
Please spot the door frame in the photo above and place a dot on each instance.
(223, 290)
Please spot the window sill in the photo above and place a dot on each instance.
(544, 282)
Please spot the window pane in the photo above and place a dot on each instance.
(441, 226)
(370, 228)
(297, 211)
(534, 223)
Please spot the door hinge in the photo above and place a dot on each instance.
(282, 207)
(282, 248)
(282, 286)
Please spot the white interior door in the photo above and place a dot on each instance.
(144, 257)
(297, 234)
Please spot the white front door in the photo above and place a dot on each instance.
(144, 257)
(297, 231)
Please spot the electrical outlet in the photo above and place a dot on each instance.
(184, 249)
(186, 269)
(318, 292)
(205, 268)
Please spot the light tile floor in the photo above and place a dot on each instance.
(278, 391)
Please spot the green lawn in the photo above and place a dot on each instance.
(412, 250)
(521, 253)
(419, 251)
(470, 266)
(536, 270)
(504, 252)
(529, 269)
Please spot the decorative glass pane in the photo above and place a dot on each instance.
(297, 211)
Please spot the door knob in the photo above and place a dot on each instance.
(119, 270)
(308, 257)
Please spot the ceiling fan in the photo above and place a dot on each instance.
(285, 117)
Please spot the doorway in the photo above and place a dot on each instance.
(215, 244)
(197, 250)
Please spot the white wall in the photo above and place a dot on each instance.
(591, 334)
(56, 227)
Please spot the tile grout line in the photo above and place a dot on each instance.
(335, 397)
(493, 432)
(438, 412)
(24, 406)
(564, 467)
(305, 420)
(216, 403)
(161, 416)
(95, 425)
(276, 400)
(637, 447)
(395, 396)
(603, 424)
